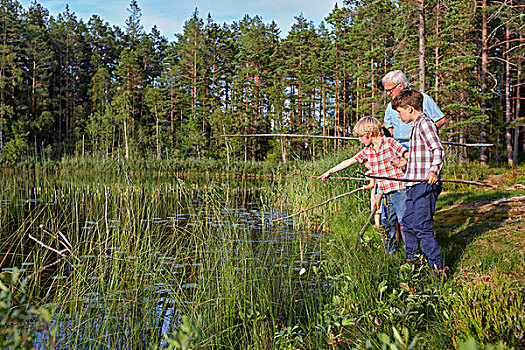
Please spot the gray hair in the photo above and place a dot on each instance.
(396, 77)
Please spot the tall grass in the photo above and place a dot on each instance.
(145, 255)
(371, 297)
(147, 168)
(368, 292)
(160, 260)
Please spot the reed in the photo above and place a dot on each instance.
(151, 262)
(143, 255)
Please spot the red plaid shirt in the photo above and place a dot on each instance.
(381, 163)
(425, 150)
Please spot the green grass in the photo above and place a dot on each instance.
(371, 293)
(232, 289)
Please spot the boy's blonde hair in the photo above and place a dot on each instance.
(367, 125)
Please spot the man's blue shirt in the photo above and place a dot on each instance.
(402, 130)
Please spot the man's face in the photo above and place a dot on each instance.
(405, 114)
(391, 88)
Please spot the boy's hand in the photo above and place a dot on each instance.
(325, 176)
(370, 185)
(432, 178)
(399, 162)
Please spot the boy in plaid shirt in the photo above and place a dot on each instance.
(385, 158)
(425, 159)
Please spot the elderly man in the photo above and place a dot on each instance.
(393, 83)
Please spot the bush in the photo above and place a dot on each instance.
(20, 320)
(487, 308)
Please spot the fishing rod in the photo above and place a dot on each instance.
(365, 187)
(398, 179)
(296, 136)
(320, 204)
(336, 177)
(305, 136)
(476, 183)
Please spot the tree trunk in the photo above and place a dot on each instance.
(517, 103)
(126, 137)
(508, 114)
(324, 112)
(422, 45)
(484, 64)
(436, 54)
(373, 81)
(157, 132)
(2, 102)
(172, 111)
(336, 124)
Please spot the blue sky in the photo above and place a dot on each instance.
(170, 15)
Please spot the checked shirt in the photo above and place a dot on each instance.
(381, 163)
(425, 150)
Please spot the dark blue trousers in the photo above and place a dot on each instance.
(418, 223)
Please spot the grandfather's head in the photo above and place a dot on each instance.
(393, 82)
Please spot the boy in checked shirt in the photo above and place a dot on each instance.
(425, 160)
(385, 158)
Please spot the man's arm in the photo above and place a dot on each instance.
(441, 122)
(431, 110)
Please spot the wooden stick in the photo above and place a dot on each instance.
(425, 180)
(61, 253)
(467, 144)
(337, 177)
(304, 136)
(65, 241)
(374, 209)
(294, 135)
(318, 205)
(54, 235)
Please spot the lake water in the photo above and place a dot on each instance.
(144, 254)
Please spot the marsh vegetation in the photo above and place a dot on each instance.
(142, 259)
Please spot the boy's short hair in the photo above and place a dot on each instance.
(367, 125)
(408, 97)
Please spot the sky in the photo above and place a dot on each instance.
(170, 15)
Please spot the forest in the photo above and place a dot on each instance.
(70, 88)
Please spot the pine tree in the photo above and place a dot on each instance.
(191, 72)
(256, 44)
(10, 69)
(299, 54)
(171, 90)
(455, 86)
(38, 64)
(129, 82)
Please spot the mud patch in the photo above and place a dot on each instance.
(496, 211)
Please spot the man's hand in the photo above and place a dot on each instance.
(432, 178)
